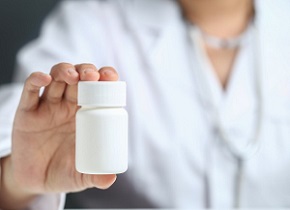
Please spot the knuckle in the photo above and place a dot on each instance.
(110, 68)
(28, 85)
(32, 75)
(84, 66)
(53, 99)
(61, 70)
(62, 65)
(86, 180)
(31, 88)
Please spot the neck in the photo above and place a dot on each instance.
(221, 18)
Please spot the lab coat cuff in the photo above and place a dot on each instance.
(48, 202)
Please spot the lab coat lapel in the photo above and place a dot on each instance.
(164, 40)
(274, 37)
(169, 55)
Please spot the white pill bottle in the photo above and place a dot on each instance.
(101, 128)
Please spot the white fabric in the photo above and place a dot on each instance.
(174, 151)
(9, 97)
(233, 110)
(48, 202)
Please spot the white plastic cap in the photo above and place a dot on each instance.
(102, 93)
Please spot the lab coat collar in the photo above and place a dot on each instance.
(161, 12)
(154, 29)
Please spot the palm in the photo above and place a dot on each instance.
(44, 145)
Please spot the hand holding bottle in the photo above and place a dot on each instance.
(43, 144)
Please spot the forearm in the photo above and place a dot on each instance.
(11, 195)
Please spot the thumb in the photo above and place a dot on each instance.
(98, 181)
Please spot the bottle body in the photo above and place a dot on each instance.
(101, 140)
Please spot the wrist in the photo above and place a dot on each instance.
(12, 196)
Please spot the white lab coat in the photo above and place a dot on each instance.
(175, 160)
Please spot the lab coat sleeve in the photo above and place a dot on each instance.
(63, 38)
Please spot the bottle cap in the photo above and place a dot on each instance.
(102, 93)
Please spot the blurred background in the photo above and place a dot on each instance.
(20, 23)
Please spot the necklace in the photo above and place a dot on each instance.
(223, 43)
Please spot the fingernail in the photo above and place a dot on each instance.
(36, 81)
(89, 70)
(39, 79)
(108, 72)
(72, 72)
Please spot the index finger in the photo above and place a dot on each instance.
(30, 94)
